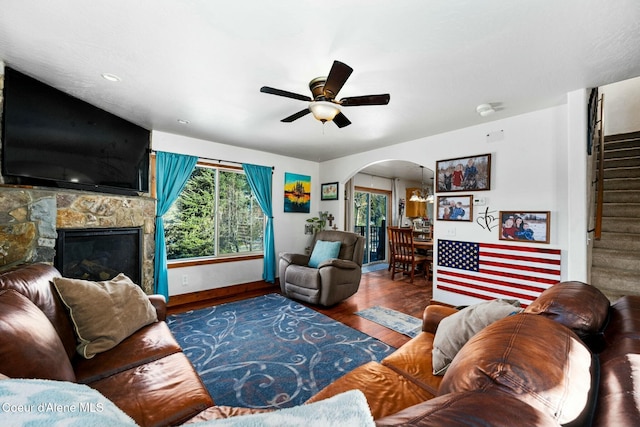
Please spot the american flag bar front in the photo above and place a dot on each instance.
(489, 271)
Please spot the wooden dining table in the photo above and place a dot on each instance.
(423, 244)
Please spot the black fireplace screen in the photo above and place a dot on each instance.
(99, 253)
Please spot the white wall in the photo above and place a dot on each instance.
(621, 106)
(537, 166)
(288, 227)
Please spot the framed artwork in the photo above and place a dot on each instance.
(455, 208)
(297, 193)
(329, 191)
(524, 226)
(471, 173)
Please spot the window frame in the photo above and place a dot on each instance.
(214, 259)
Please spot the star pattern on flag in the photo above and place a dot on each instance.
(460, 255)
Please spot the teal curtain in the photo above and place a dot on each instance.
(260, 181)
(172, 173)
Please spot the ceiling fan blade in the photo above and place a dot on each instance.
(296, 116)
(338, 75)
(353, 101)
(279, 92)
(341, 120)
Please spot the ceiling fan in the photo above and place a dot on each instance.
(324, 105)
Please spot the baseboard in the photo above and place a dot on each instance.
(220, 295)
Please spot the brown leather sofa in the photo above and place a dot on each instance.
(146, 375)
(571, 359)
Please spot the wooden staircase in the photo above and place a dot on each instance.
(615, 268)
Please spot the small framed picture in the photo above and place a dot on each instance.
(523, 226)
(329, 191)
(455, 208)
(471, 173)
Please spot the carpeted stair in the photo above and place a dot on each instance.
(615, 268)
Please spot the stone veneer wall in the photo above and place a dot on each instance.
(29, 219)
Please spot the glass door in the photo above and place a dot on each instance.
(370, 209)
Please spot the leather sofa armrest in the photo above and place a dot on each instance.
(298, 259)
(339, 263)
(160, 304)
(433, 314)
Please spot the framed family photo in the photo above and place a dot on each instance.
(471, 173)
(525, 226)
(455, 208)
(329, 191)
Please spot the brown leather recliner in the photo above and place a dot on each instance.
(334, 280)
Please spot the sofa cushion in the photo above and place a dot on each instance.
(576, 305)
(104, 313)
(455, 330)
(58, 403)
(345, 409)
(465, 409)
(323, 251)
(29, 345)
(151, 342)
(386, 391)
(413, 361)
(531, 358)
(165, 392)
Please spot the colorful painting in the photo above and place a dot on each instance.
(297, 193)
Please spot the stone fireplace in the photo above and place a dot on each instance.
(31, 218)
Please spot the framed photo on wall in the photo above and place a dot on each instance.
(471, 173)
(525, 226)
(455, 208)
(329, 191)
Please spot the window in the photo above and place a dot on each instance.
(215, 216)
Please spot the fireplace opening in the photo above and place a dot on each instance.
(98, 254)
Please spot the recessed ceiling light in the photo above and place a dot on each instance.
(111, 77)
(183, 122)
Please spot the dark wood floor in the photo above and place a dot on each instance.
(376, 288)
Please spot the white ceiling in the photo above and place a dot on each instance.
(204, 61)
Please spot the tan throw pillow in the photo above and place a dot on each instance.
(454, 331)
(104, 313)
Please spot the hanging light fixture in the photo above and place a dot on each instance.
(324, 111)
(424, 194)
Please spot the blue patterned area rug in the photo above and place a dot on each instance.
(270, 351)
(392, 319)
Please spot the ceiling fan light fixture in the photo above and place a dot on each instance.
(324, 111)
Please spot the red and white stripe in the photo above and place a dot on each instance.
(505, 271)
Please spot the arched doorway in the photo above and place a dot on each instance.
(377, 196)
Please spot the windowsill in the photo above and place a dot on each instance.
(218, 260)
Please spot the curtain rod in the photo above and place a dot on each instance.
(221, 161)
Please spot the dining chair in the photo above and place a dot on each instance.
(405, 258)
(391, 251)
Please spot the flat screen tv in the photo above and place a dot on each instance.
(53, 139)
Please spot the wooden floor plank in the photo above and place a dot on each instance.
(376, 288)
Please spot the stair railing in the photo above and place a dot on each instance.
(600, 171)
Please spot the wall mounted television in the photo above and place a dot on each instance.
(52, 139)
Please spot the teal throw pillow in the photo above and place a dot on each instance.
(323, 251)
